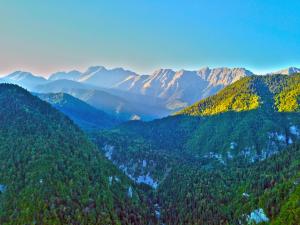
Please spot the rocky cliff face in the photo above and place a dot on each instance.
(183, 87)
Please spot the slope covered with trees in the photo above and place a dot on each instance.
(52, 174)
(83, 114)
(231, 158)
(280, 91)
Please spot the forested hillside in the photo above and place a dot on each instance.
(230, 159)
(279, 92)
(52, 174)
(233, 158)
(83, 114)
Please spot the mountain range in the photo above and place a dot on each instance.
(183, 88)
(288, 71)
(83, 114)
(230, 158)
(134, 96)
(24, 79)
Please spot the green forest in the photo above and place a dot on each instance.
(52, 174)
(223, 157)
(233, 158)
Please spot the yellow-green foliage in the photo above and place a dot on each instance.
(288, 100)
(237, 97)
(242, 102)
(278, 92)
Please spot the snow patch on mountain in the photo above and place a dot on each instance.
(110, 179)
(257, 216)
(135, 117)
(157, 210)
(140, 179)
(143, 177)
(144, 163)
(213, 155)
(233, 145)
(246, 195)
(130, 192)
(229, 155)
(108, 150)
(294, 130)
(147, 179)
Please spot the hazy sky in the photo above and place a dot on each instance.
(142, 35)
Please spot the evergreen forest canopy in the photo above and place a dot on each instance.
(52, 174)
(223, 159)
(232, 158)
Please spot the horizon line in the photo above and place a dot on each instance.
(82, 69)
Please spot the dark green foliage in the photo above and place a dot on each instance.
(215, 196)
(52, 174)
(215, 162)
(208, 155)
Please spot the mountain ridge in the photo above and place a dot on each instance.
(163, 92)
(52, 174)
(226, 157)
(84, 115)
(175, 86)
(288, 71)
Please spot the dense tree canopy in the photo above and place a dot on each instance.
(222, 158)
(52, 174)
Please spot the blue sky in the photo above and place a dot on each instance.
(143, 35)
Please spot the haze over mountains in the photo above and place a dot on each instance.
(83, 114)
(288, 71)
(128, 95)
(183, 87)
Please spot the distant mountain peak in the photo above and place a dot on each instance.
(183, 87)
(102, 77)
(71, 75)
(163, 71)
(19, 74)
(204, 69)
(23, 75)
(24, 79)
(94, 69)
(288, 71)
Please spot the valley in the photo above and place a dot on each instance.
(207, 166)
(149, 112)
(231, 158)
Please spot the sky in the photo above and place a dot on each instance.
(144, 35)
